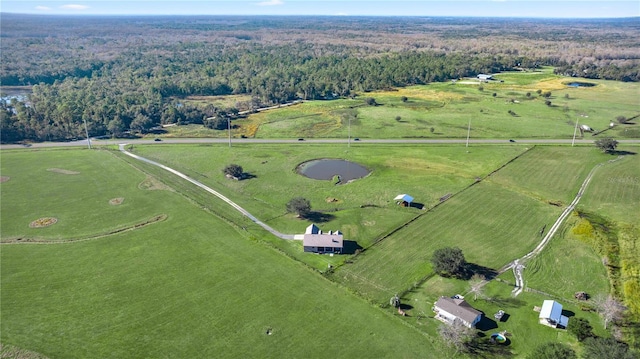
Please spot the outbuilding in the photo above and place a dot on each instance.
(485, 77)
(551, 315)
(404, 200)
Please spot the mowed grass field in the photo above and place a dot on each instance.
(493, 222)
(364, 210)
(190, 286)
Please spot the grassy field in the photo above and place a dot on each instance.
(69, 185)
(511, 106)
(444, 110)
(493, 222)
(189, 286)
(363, 210)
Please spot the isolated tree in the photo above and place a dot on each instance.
(494, 94)
(395, 301)
(607, 144)
(552, 350)
(581, 328)
(404, 99)
(448, 261)
(234, 170)
(600, 348)
(432, 129)
(480, 88)
(609, 309)
(370, 101)
(547, 102)
(475, 284)
(622, 119)
(398, 118)
(299, 205)
(528, 94)
(546, 94)
(566, 95)
(456, 334)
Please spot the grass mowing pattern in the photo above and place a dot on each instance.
(550, 173)
(491, 226)
(190, 286)
(493, 222)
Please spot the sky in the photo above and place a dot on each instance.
(483, 8)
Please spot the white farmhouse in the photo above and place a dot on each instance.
(449, 310)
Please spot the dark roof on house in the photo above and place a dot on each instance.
(459, 308)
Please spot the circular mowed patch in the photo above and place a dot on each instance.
(43, 222)
(116, 201)
(4, 179)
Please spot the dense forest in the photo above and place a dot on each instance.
(121, 74)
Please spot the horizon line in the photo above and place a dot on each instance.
(323, 15)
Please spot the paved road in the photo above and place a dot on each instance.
(343, 141)
(210, 190)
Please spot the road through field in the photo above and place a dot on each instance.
(210, 190)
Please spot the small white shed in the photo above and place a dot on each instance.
(551, 315)
(404, 199)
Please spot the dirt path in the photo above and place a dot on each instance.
(210, 190)
(518, 265)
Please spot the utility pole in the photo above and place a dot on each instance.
(574, 134)
(229, 128)
(468, 133)
(86, 131)
(349, 138)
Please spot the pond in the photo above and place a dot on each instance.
(580, 84)
(326, 169)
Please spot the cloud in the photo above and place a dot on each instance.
(74, 7)
(271, 3)
(43, 8)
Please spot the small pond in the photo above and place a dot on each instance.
(580, 84)
(326, 169)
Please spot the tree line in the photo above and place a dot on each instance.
(128, 74)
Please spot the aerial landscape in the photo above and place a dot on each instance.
(290, 179)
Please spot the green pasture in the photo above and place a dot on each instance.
(75, 187)
(616, 190)
(190, 286)
(493, 222)
(363, 210)
(491, 225)
(550, 173)
(560, 268)
(444, 110)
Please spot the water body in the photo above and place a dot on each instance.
(580, 84)
(326, 169)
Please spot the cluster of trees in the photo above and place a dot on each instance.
(129, 74)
